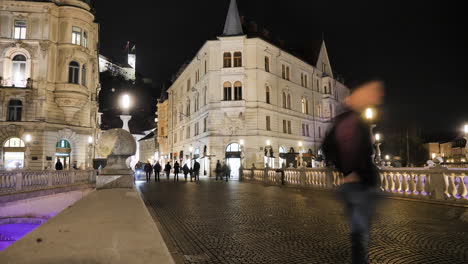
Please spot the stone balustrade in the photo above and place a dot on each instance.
(25, 181)
(443, 184)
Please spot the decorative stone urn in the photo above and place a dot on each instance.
(117, 145)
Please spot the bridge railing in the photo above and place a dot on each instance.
(21, 181)
(421, 183)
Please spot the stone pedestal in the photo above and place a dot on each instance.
(117, 144)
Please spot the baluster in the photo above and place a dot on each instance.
(420, 186)
(398, 181)
(453, 187)
(412, 184)
(462, 188)
(392, 182)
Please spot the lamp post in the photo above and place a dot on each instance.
(378, 142)
(125, 103)
(465, 130)
(370, 116)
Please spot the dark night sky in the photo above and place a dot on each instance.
(419, 49)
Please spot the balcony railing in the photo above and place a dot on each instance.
(26, 181)
(440, 184)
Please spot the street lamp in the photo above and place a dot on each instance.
(369, 113)
(125, 103)
(378, 142)
(27, 138)
(387, 157)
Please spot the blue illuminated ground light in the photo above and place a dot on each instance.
(10, 233)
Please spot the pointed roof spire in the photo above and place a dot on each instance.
(233, 26)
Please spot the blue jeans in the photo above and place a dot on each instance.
(360, 201)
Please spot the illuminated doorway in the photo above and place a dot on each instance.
(63, 153)
(233, 159)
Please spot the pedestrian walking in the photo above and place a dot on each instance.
(196, 170)
(148, 171)
(219, 170)
(226, 171)
(349, 147)
(167, 169)
(185, 170)
(157, 171)
(176, 171)
(58, 165)
(191, 174)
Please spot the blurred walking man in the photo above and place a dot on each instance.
(349, 147)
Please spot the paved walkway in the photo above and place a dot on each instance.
(219, 222)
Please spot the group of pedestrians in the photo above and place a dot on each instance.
(222, 170)
(148, 168)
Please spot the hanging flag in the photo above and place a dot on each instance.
(127, 47)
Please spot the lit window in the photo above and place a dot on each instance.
(227, 91)
(237, 91)
(85, 39)
(238, 59)
(19, 71)
(15, 109)
(73, 72)
(20, 29)
(303, 104)
(227, 60)
(76, 35)
(267, 64)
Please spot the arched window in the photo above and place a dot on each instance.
(19, 71)
(289, 101)
(227, 60)
(237, 91)
(73, 72)
(267, 64)
(237, 59)
(303, 105)
(83, 75)
(267, 95)
(15, 108)
(14, 143)
(227, 92)
(233, 147)
(284, 100)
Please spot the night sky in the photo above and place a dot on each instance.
(419, 49)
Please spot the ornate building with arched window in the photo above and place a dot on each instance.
(49, 82)
(260, 100)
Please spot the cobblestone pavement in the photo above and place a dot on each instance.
(219, 222)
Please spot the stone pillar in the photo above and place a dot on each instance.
(117, 145)
(437, 184)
